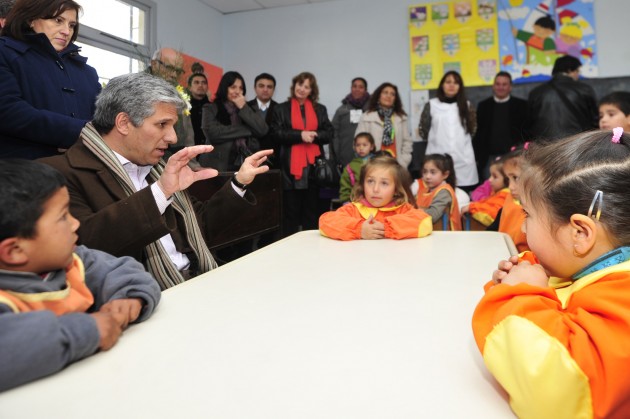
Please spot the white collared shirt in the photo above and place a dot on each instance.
(263, 106)
(505, 99)
(138, 175)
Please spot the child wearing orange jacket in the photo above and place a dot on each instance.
(554, 328)
(380, 207)
(485, 210)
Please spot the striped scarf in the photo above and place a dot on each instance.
(388, 129)
(158, 261)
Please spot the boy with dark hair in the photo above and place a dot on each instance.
(59, 302)
(614, 111)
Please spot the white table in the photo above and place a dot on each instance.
(306, 328)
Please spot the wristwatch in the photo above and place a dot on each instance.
(238, 184)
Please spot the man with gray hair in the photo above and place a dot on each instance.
(5, 6)
(129, 201)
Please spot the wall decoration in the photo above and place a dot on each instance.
(533, 33)
(458, 35)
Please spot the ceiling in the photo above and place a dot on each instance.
(235, 6)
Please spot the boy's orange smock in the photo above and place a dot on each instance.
(400, 221)
(511, 223)
(425, 197)
(75, 298)
(486, 210)
(562, 351)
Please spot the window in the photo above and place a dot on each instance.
(117, 36)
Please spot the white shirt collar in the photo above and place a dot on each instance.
(138, 174)
(261, 105)
(505, 99)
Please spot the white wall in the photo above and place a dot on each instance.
(336, 41)
(191, 27)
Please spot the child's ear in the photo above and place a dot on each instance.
(447, 173)
(583, 233)
(11, 253)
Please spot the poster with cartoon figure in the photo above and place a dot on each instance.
(533, 33)
(458, 35)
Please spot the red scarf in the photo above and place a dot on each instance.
(304, 153)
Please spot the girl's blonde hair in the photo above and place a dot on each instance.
(402, 179)
(562, 178)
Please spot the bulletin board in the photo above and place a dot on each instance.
(459, 35)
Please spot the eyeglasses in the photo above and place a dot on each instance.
(170, 67)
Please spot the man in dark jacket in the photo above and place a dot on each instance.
(500, 123)
(129, 201)
(265, 86)
(198, 88)
(564, 105)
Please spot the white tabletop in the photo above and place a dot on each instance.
(306, 328)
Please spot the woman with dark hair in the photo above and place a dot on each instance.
(301, 126)
(231, 125)
(448, 123)
(346, 120)
(47, 91)
(386, 120)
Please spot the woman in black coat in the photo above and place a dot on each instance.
(231, 125)
(300, 126)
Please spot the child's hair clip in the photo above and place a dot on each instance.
(599, 200)
(513, 148)
(617, 132)
(526, 146)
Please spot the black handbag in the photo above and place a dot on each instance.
(324, 173)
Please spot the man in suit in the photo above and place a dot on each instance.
(198, 88)
(132, 203)
(500, 123)
(265, 85)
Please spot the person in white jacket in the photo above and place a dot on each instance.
(448, 122)
(386, 120)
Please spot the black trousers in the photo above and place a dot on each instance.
(301, 209)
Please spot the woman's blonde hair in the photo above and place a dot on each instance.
(402, 179)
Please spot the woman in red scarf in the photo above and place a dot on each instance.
(301, 126)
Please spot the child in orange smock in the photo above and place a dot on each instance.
(380, 207)
(435, 192)
(554, 324)
(510, 218)
(485, 211)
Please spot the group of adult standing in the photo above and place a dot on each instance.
(298, 129)
(561, 107)
(49, 93)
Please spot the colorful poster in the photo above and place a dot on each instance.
(458, 35)
(533, 33)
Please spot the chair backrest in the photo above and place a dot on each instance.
(443, 224)
(263, 217)
(470, 224)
